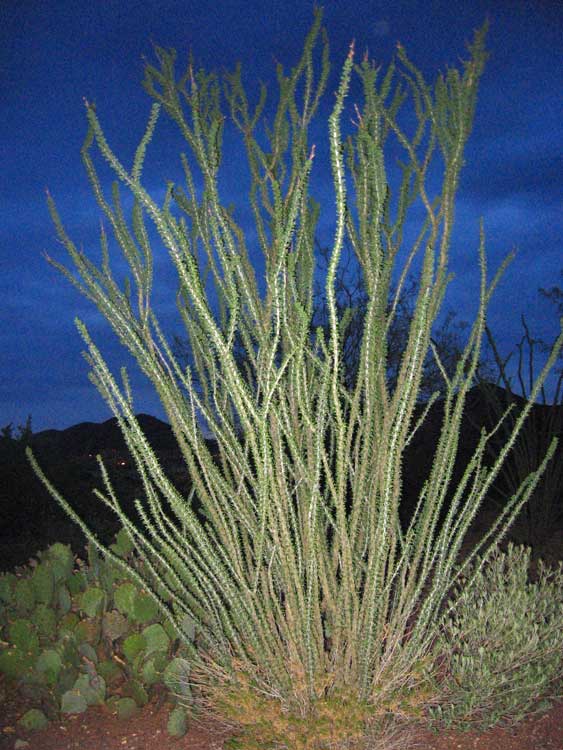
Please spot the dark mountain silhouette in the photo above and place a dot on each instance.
(32, 519)
(92, 438)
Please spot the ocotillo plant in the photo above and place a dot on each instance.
(302, 578)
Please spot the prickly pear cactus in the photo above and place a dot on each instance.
(77, 634)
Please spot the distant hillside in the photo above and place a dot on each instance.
(91, 437)
(31, 518)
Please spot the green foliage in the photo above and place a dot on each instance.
(61, 561)
(89, 630)
(500, 647)
(92, 688)
(33, 720)
(125, 708)
(110, 671)
(114, 625)
(133, 645)
(73, 702)
(124, 598)
(302, 535)
(43, 583)
(64, 601)
(15, 663)
(156, 638)
(92, 601)
(7, 585)
(145, 608)
(176, 677)
(45, 620)
(24, 596)
(68, 623)
(50, 664)
(135, 689)
(76, 582)
(177, 722)
(22, 635)
(73, 652)
(123, 545)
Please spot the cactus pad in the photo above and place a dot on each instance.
(133, 645)
(92, 689)
(45, 621)
(176, 677)
(43, 582)
(7, 583)
(124, 598)
(114, 625)
(92, 601)
(61, 561)
(177, 722)
(24, 596)
(33, 720)
(156, 638)
(123, 545)
(22, 635)
(126, 708)
(73, 702)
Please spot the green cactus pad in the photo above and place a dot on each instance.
(89, 652)
(135, 689)
(73, 702)
(92, 601)
(22, 635)
(133, 645)
(33, 720)
(156, 638)
(149, 673)
(67, 646)
(145, 608)
(67, 678)
(43, 582)
(15, 663)
(76, 582)
(92, 688)
(63, 600)
(176, 677)
(109, 575)
(45, 621)
(124, 598)
(7, 584)
(24, 596)
(177, 725)
(68, 623)
(114, 625)
(49, 663)
(152, 668)
(89, 630)
(61, 561)
(170, 629)
(110, 671)
(123, 545)
(125, 708)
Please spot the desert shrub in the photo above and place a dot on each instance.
(500, 647)
(301, 581)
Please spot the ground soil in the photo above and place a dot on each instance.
(98, 729)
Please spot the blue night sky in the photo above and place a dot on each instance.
(53, 54)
